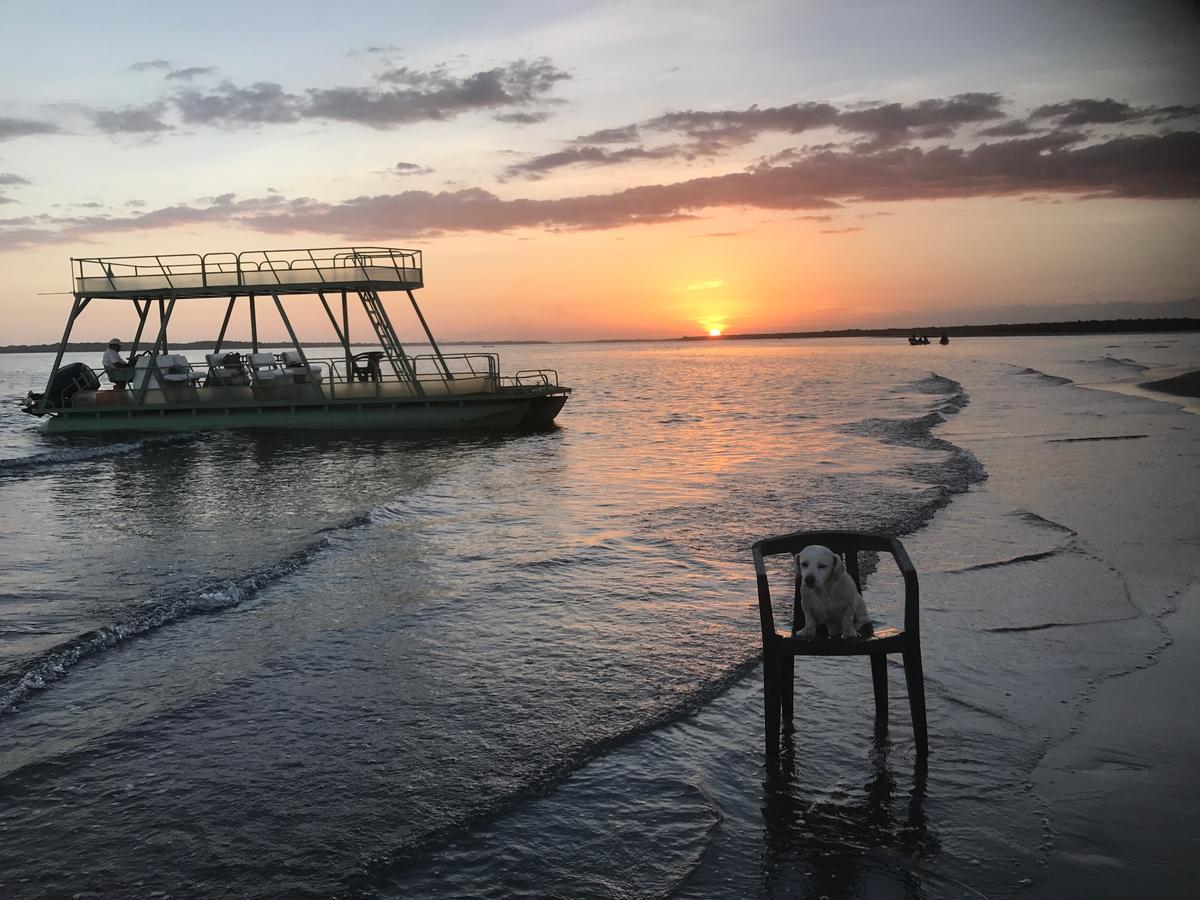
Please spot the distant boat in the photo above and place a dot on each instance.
(917, 341)
(384, 388)
(945, 339)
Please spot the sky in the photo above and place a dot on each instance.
(580, 170)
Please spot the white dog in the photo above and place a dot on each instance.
(827, 594)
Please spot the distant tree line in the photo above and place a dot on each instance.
(1022, 329)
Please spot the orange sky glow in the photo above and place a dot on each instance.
(593, 184)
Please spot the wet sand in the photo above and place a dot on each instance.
(1186, 385)
(1126, 787)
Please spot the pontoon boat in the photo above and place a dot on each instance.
(379, 388)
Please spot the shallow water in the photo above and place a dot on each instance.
(271, 665)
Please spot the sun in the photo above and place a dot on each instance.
(714, 332)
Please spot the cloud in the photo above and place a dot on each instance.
(263, 102)
(522, 118)
(849, 230)
(890, 124)
(411, 95)
(1157, 166)
(14, 128)
(1011, 128)
(815, 218)
(538, 166)
(149, 65)
(131, 120)
(709, 134)
(705, 286)
(1074, 113)
(189, 73)
(625, 135)
(10, 178)
(407, 168)
(435, 94)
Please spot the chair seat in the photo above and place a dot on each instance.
(884, 639)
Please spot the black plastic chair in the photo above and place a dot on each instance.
(780, 650)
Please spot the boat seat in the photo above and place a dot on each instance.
(177, 370)
(225, 369)
(264, 367)
(119, 375)
(294, 366)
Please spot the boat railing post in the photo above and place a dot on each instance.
(143, 315)
(449, 376)
(346, 338)
(320, 274)
(166, 274)
(163, 316)
(224, 324)
(296, 343)
(160, 347)
(77, 305)
(253, 326)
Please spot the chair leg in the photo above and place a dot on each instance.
(787, 690)
(914, 677)
(771, 704)
(879, 679)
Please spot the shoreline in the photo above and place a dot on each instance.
(1081, 327)
(1185, 385)
(1124, 782)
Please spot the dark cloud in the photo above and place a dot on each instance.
(894, 123)
(1158, 166)
(14, 128)
(625, 135)
(815, 218)
(435, 94)
(9, 178)
(522, 118)
(4, 199)
(189, 73)
(131, 120)
(1011, 128)
(1075, 113)
(715, 131)
(407, 168)
(149, 65)
(709, 134)
(229, 105)
(587, 156)
(850, 230)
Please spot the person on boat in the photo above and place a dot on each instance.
(118, 369)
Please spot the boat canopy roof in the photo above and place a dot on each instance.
(249, 273)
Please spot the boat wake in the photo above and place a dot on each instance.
(155, 613)
(53, 460)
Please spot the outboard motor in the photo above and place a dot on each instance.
(66, 383)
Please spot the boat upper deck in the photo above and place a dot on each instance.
(254, 272)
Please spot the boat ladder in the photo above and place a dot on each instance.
(378, 317)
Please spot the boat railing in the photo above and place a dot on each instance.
(256, 268)
(531, 378)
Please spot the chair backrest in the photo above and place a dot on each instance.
(292, 358)
(847, 544)
(261, 360)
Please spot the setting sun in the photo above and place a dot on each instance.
(714, 332)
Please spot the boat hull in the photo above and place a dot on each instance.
(497, 412)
